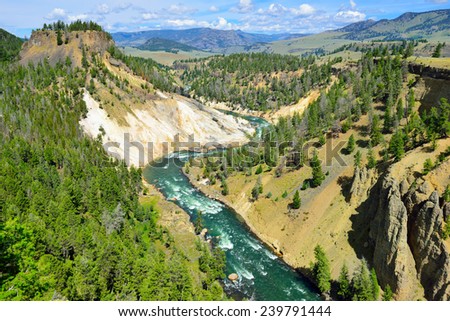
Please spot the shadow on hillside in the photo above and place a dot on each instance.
(362, 143)
(432, 92)
(358, 237)
(363, 130)
(345, 182)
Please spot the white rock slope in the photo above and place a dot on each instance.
(152, 131)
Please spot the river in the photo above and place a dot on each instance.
(262, 275)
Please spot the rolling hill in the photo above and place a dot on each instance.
(433, 26)
(200, 38)
(407, 26)
(159, 44)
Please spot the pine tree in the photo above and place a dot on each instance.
(371, 161)
(317, 173)
(400, 110)
(438, 50)
(296, 201)
(375, 285)
(259, 170)
(321, 270)
(358, 159)
(375, 134)
(59, 40)
(446, 195)
(388, 295)
(225, 190)
(362, 284)
(397, 145)
(388, 122)
(322, 140)
(427, 166)
(351, 144)
(198, 224)
(344, 284)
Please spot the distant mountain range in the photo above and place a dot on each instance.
(426, 25)
(408, 26)
(205, 39)
(159, 44)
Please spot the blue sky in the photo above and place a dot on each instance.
(263, 16)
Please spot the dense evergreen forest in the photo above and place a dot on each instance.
(156, 74)
(379, 81)
(9, 46)
(71, 226)
(256, 81)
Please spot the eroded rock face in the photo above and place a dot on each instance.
(362, 180)
(392, 258)
(409, 253)
(431, 256)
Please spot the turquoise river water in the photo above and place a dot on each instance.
(262, 275)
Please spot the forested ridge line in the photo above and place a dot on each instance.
(71, 226)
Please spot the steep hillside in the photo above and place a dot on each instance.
(9, 46)
(361, 169)
(408, 26)
(43, 45)
(407, 216)
(71, 224)
(125, 104)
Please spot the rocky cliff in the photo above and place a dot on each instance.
(43, 45)
(429, 71)
(406, 218)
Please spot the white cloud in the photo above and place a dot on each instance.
(352, 4)
(78, 17)
(223, 24)
(179, 23)
(56, 14)
(349, 16)
(150, 16)
(303, 10)
(220, 23)
(244, 6)
(180, 9)
(103, 8)
(276, 9)
(213, 9)
(437, 1)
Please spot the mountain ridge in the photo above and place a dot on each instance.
(206, 39)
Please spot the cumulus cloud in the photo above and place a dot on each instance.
(349, 16)
(304, 10)
(82, 16)
(223, 24)
(220, 23)
(244, 6)
(276, 9)
(56, 13)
